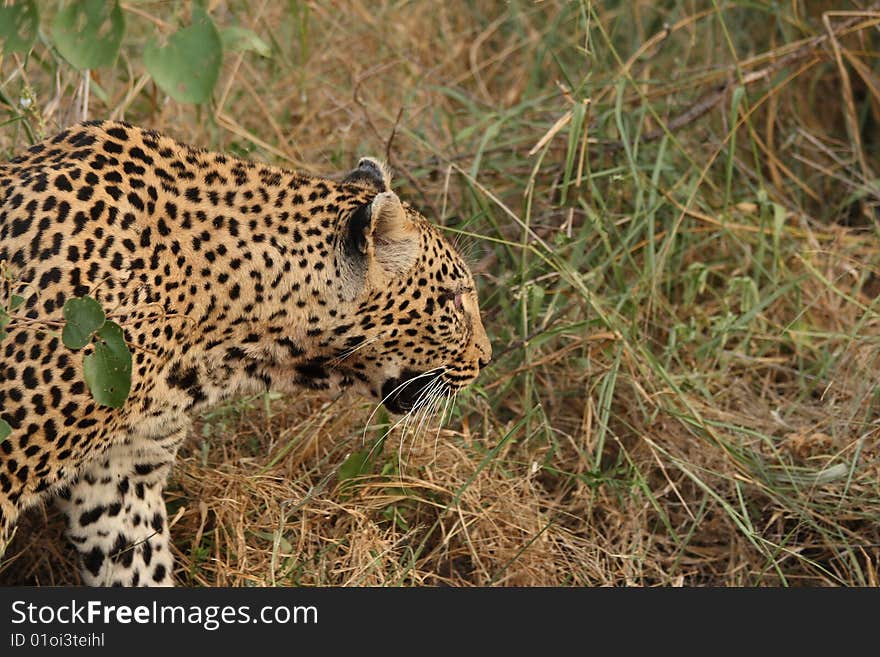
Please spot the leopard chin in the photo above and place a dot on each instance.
(403, 393)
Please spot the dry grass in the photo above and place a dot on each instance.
(673, 213)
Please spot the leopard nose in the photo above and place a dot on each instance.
(484, 360)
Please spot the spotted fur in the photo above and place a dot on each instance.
(228, 277)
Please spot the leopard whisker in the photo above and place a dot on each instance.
(423, 414)
(405, 421)
(471, 249)
(388, 431)
(440, 395)
(413, 417)
(447, 397)
(437, 396)
(427, 407)
(337, 360)
(435, 406)
(424, 403)
(437, 371)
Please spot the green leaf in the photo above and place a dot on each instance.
(187, 68)
(88, 33)
(18, 26)
(15, 301)
(84, 316)
(356, 464)
(4, 321)
(108, 370)
(283, 544)
(5, 429)
(241, 39)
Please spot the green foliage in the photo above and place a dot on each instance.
(5, 429)
(188, 66)
(363, 462)
(241, 39)
(357, 464)
(88, 33)
(18, 26)
(84, 316)
(15, 301)
(4, 322)
(108, 369)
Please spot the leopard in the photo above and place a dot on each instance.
(228, 277)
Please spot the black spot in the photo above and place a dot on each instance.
(145, 468)
(139, 154)
(118, 133)
(313, 369)
(92, 515)
(188, 380)
(62, 183)
(292, 348)
(234, 353)
(93, 560)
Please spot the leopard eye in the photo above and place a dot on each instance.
(456, 297)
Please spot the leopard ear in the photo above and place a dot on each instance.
(378, 224)
(390, 223)
(371, 173)
(394, 236)
(380, 242)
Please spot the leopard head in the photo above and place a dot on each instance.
(418, 332)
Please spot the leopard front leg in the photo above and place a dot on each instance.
(116, 515)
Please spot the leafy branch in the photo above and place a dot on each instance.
(89, 33)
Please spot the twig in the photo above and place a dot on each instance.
(369, 120)
(711, 100)
(393, 134)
